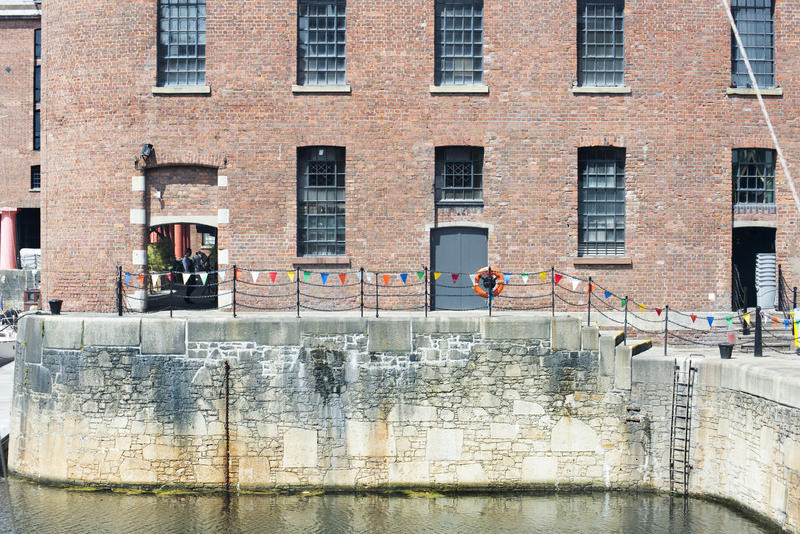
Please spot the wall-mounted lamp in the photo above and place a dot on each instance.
(147, 151)
(158, 194)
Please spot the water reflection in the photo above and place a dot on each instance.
(39, 509)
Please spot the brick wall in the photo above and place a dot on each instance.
(678, 127)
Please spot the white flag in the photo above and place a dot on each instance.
(575, 283)
(186, 277)
(254, 274)
(369, 277)
(221, 275)
(203, 277)
(359, 275)
(154, 278)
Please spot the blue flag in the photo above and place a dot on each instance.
(608, 294)
(507, 276)
(324, 277)
(127, 279)
(404, 277)
(710, 320)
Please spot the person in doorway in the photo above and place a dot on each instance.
(188, 267)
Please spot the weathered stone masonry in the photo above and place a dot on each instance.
(353, 403)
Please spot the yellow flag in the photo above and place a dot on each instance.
(746, 318)
(794, 329)
(641, 307)
(543, 276)
(290, 274)
(436, 276)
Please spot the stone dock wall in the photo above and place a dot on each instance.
(351, 403)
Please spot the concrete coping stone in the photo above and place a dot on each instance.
(773, 379)
(565, 333)
(446, 325)
(515, 327)
(261, 330)
(112, 331)
(163, 336)
(30, 335)
(389, 335)
(62, 332)
(652, 369)
(333, 325)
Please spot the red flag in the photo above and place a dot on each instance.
(658, 311)
(591, 288)
(386, 278)
(169, 277)
(455, 277)
(272, 277)
(237, 273)
(141, 279)
(693, 316)
(343, 277)
(774, 322)
(558, 278)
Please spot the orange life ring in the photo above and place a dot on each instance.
(482, 275)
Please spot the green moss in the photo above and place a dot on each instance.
(413, 494)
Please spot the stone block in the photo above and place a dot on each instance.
(471, 474)
(339, 478)
(220, 329)
(111, 332)
(30, 335)
(565, 333)
(135, 471)
(622, 367)
(500, 328)
(389, 335)
(160, 452)
(254, 472)
(590, 338)
(411, 413)
(278, 333)
(163, 336)
(446, 325)
(365, 438)
(513, 371)
(63, 333)
(649, 369)
(522, 407)
(444, 444)
(208, 474)
(91, 378)
(607, 346)
(333, 325)
(409, 473)
(503, 431)
(539, 470)
(38, 378)
(572, 435)
(300, 448)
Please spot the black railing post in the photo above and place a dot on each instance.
(425, 268)
(491, 292)
(666, 328)
(361, 278)
(297, 290)
(235, 275)
(589, 306)
(171, 295)
(119, 291)
(758, 346)
(780, 288)
(377, 307)
(794, 298)
(625, 327)
(553, 290)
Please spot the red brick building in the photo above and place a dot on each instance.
(20, 175)
(596, 137)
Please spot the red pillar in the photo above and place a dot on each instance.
(178, 241)
(8, 238)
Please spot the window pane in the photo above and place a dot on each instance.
(754, 20)
(458, 40)
(601, 51)
(753, 176)
(321, 54)
(459, 175)
(181, 38)
(321, 201)
(601, 201)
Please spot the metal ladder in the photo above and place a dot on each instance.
(681, 429)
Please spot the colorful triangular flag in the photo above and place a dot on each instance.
(641, 307)
(290, 274)
(786, 324)
(623, 302)
(575, 284)
(746, 318)
(524, 277)
(420, 274)
(590, 288)
(254, 274)
(454, 276)
(343, 277)
(203, 277)
(774, 322)
(404, 277)
(369, 278)
(237, 274)
(710, 320)
(221, 274)
(436, 276)
(730, 320)
(694, 317)
(324, 277)
(154, 279)
(607, 293)
(127, 279)
(658, 311)
(186, 277)
(507, 277)
(141, 280)
(272, 276)
(170, 277)
(386, 278)
(306, 276)
(543, 276)
(557, 278)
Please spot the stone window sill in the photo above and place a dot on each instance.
(777, 91)
(321, 89)
(459, 89)
(182, 90)
(585, 90)
(602, 260)
(35, 190)
(321, 260)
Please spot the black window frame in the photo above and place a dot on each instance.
(755, 20)
(599, 21)
(36, 177)
(459, 175)
(37, 90)
(321, 206)
(457, 45)
(749, 166)
(318, 45)
(599, 202)
(181, 64)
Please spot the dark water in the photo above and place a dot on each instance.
(38, 509)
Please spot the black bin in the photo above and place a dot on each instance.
(55, 306)
(725, 350)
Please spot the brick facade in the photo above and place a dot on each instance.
(677, 124)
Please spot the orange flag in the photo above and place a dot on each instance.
(386, 278)
(343, 277)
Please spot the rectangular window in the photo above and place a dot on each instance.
(36, 130)
(37, 84)
(601, 201)
(459, 175)
(601, 43)
(754, 21)
(753, 176)
(181, 42)
(37, 44)
(321, 56)
(321, 215)
(36, 177)
(459, 42)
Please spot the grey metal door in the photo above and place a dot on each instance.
(461, 251)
